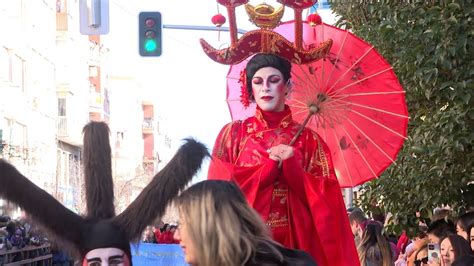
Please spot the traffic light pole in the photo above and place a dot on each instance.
(205, 28)
(150, 32)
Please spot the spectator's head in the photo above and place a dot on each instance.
(103, 242)
(374, 247)
(11, 228)
(470, 230)
(217, 226)
(351, 209)
(379, 217)
(453, 247)
(464, 222)
(439, 229)
(356, 218)
(4, 220)
(166, 227)
(420, 235)
(422, 228)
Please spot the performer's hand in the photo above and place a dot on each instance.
(281, 152)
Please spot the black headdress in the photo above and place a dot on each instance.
(100, 227)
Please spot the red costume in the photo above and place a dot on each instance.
(166, 238)
(301, 201)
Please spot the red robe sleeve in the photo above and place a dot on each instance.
(251, 179)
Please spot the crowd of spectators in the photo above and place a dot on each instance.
(441, 242)
(17, 235)
(445, 241)
(160, 234)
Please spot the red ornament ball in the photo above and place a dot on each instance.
(218, 20)
(314, 19)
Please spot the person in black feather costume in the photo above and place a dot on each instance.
(101, 234)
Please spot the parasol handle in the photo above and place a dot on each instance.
(305, 122)
(312, 110)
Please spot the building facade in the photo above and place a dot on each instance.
(53, 80)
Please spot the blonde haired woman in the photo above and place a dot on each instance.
(218, 227)
(374, 248)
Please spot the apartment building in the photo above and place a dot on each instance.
(53, 80)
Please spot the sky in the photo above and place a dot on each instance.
(187, 87)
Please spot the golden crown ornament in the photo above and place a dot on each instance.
(264, 39)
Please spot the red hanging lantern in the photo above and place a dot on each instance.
(314, 19)
(218, 20)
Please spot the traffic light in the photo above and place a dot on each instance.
(149, 33)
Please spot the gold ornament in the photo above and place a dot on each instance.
(264, 15)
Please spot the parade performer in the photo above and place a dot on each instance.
(101, 236)
(284, 169)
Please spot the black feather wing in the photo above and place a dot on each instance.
(165, 185)
(98, 171)
(39, 204)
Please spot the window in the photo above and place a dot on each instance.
(1, 141)
(61, 107)
(4, 64)
(61, 6)
(17, 71)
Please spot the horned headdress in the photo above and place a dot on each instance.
(100, 227)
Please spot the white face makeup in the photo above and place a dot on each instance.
(182, 236)
(269, 89)
(106, 257)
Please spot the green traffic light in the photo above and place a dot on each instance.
(150, 45)
(149, 34)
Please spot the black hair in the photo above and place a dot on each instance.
(466, 260)
(266, 60)
(351, 209)
(105, 234)
(358, 216)
(466, 220)
(440, 228)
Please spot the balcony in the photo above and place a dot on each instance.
(61, 21)
(61, 127)
(147, 126)
(68, 131)
(63, 88)
(95, 102)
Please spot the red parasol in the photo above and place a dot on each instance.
(352, 99)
